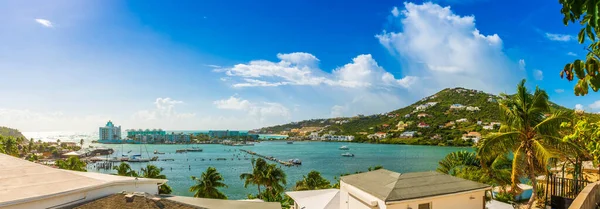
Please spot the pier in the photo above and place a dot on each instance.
(271, 158)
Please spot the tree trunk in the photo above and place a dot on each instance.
(533, 179)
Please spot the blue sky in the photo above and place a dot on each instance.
(73, 65)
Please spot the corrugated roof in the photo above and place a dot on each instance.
(391, 186)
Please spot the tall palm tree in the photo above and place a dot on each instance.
(259, 168)
(125, 170)
(458, 161)
(275, 178)
(207, 185)
(312, 181)
(153, 172)
(527, 133)
(72, 163)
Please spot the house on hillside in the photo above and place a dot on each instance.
(462, 120)
(384, 189)
(457, 106)
(472, 109)
(378, 135)
(408, 134)
(450, 124)
(423, 125)
(401, 125)
(407, 116)
(422, 115)
(473, 136)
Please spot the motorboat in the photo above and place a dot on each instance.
(138, 158)
(347, 154)
(290, 142)
(344, 148)
(181, 151)
(156, 152)
(295, 161)
(194, 149)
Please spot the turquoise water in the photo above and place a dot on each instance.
(324, 157)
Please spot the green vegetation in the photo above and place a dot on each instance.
(153, 172)
(312, 181)
(587, 71)
(10, 146)
(124, 169)
(72, 163)
(5, 131)
(207, 186)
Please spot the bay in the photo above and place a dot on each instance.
(324, 157)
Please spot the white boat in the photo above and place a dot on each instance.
(138, 158)
(347, 154)
(194, 149)
(344, 148)
(156, 152)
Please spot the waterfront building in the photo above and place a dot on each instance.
(157, 136)
(110, 132)
(222, 134)
(330, 137)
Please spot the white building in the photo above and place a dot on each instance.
(457, 106)
(384, 189)
(469, 108)
(462, 120)
(329, 137)
(110, 132)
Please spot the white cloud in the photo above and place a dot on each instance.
(521, 64)
(559, 90)
(300, 69)
(30, 120)
(338, 111)
(233, 103)
(559, 37)
(538, 74)
(395, 12)
(595, 105)
(571, 54)
(45, 23)
(262, 110)
(164, 110)
(447, 50)
(578, 107)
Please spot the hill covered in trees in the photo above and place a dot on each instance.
(5, 131)
(439, 119)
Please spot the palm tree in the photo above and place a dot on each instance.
(9, 146)
(457, 162)
(259, 167)
(312, 181)
(207, 185)
(153, 172)
(527, 133)
(125, 170)
(274, 178)
(72, 163)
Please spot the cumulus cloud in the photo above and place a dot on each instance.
(538, 74)
(578, 107)
(559, 90)
(395, 12)
(447, 50)
(301, 69)
(595, 105)
(571, 54)
(44, 22)
(559, 37)
(521, 64)
(30, 120)
(261, 110)
(164, 109)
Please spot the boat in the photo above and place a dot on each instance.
(156, 152)
(347, 154)
(221, 158)
(295, 161)
(181, 151)
(344, 148)
(290, 142)
(124, 158)
(194, 149)
(138, 158)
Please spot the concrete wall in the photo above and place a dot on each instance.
(588, 197)
(354, 198)
(62, 200)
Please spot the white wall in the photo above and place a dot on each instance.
(84, 196)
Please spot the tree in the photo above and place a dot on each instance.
(125, 170)
(9, 146)
(153, 172)
(527, 133)
(256, 177)
(312, 181)
(274, 178)
(81, 143)
(72, 163)
(456, 162)
(587, 71)
(207, 185)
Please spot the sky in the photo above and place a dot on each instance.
(233, 64)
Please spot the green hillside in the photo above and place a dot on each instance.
(5, 131)
(478, 108)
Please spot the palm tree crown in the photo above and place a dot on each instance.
(207, 185)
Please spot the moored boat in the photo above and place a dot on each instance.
(290, 142)
(194, 149)
(344, 148)
(347, 154)
(181, 151)
(156, 152)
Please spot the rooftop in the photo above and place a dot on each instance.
(21, 180)
(391, 186)
(224, 204)
(317, 199)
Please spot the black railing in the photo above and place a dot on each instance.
(562, 191)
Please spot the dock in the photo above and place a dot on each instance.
(271, 158)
